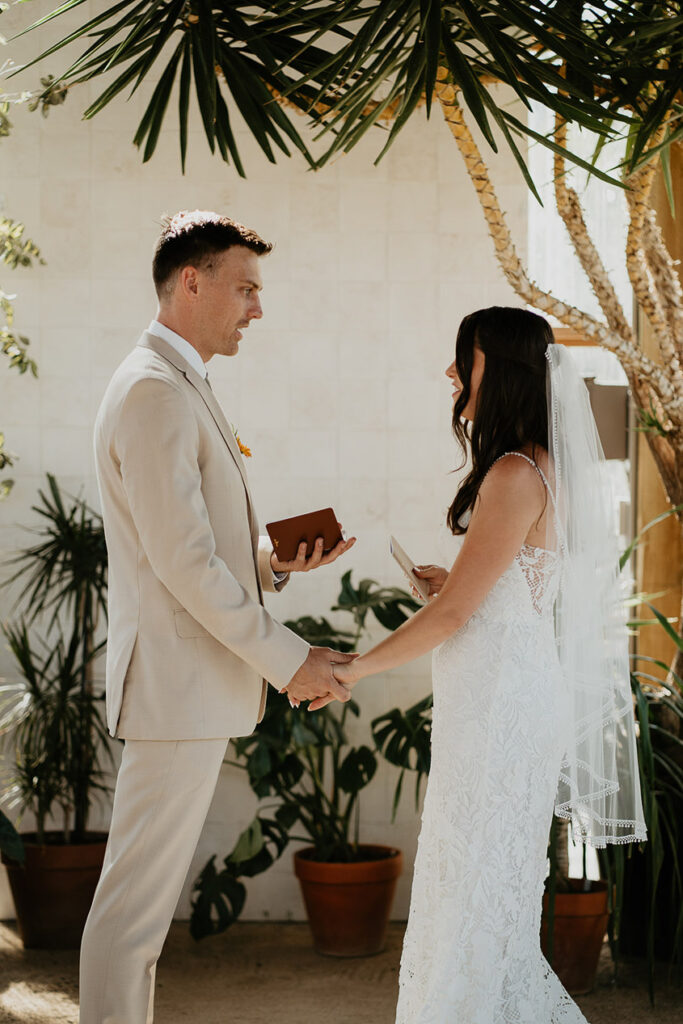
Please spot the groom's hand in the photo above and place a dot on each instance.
(347, 674)
(315, 678)
(316, 559)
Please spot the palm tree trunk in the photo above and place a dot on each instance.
(649, 381)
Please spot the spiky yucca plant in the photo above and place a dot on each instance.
(56, 738)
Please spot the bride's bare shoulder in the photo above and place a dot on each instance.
(510, 474)
(512, 478)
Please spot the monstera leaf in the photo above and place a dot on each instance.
(390, 605)
(219, 896)
(357, 769)
(404, 738)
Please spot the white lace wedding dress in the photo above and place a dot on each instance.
(472, 949)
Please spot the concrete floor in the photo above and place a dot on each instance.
(260, 973)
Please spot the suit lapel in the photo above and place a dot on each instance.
(167, 352)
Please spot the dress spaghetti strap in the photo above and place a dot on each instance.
(538, 469)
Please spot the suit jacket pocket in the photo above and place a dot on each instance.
(186, 627)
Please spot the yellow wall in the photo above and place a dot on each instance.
(659, 560)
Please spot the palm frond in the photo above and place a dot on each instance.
(600, 65)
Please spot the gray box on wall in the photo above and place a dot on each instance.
(610, 408)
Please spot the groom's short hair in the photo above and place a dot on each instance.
(194, 238)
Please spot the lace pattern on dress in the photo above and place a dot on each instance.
(472, 953)
(538, 566)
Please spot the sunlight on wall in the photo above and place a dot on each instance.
(552, 262)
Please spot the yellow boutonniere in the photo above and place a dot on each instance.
(242, 447)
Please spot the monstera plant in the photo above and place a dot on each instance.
(306, 771)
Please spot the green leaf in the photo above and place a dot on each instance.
(356, 770)
(431, 20)
(471, 88)
(10, 840)
(259, 763)
(225, 137)
(205, 85)
(77, 33)
(114, 89)
(184, 99)
(218, 900)
(348, 595)
(645, 741)
(637, 539)
(665, 164)
(667, 627)
(138, 31)
(160, 34)
(404, 739)
(519, 158)
(287, 815)
(251, 101)
(159, 102)
(550, 144)
(249, 843)
(302, 735)
(496, 43)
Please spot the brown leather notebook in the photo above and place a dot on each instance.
(287, 534)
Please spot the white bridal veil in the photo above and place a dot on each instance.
(599, 787)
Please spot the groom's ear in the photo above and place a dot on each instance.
(188, 282)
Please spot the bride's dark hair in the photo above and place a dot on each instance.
(511, 407)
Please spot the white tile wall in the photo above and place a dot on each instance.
(339, 390)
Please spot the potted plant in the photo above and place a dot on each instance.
(648, 916)
(575, 916)
(640, 903)
(51, 714)
(308, 766)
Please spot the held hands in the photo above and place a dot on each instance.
(433, 575)
(329, 675)
(347, 674)
(315, 678)
(316, 559)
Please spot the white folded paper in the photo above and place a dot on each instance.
(407, 565)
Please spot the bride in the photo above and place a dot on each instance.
(532, 705)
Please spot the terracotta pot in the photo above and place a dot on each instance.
(580, 926)
(53, 890)
(348, 905)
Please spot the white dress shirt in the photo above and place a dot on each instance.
(182, 347)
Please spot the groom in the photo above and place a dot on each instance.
(190, 644)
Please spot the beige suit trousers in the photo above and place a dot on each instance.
(163, 793)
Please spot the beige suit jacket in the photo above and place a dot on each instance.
(190, 644)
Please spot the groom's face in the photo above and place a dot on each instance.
(230, 298)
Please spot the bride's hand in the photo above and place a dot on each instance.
(434, 575)
(345, 673)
